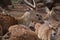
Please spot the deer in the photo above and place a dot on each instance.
(26, 17)
(20, 32)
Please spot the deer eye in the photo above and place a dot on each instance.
(39, 18)
(37, 15)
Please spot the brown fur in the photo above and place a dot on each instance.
(6, 21)
(37, 26)
(28, 17)
(43, 30)
(58, 32)
(24, 19)
(20, 32)
(1, 33)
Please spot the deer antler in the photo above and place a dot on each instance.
(32, 5)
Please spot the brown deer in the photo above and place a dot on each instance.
(21, 32)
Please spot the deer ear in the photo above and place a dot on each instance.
(32, 5)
